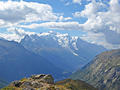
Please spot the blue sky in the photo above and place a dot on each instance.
(92, 20)
(59, 6)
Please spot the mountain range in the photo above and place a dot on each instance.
(17, 62)
(103, 72)
(67, 52)
(53, 53)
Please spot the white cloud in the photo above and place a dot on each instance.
(99, 39)
(10, 37)
(15, 12)
(55, 25)
(77, 14)
(19, 31)
(77, 1)
(102, 25)
(15, 34)
(102, 19)
(61, 18)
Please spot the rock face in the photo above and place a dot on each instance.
(43, 78)
(35, 81)
(103, 72)
(46, 82)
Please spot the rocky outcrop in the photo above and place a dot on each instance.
(43, 78)
(35, 81)
(46, 82)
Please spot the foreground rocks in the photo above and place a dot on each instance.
(46, 82)
(35, 81)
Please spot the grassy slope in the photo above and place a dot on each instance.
(66, 84)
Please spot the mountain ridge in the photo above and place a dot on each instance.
(16, 62)
(70, 51)
(103, 72)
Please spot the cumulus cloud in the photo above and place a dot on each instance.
(102, 19)
(19, 31)
(15, 12)
(15, 34)
(102, 25)
(99, 39)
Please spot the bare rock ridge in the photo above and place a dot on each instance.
(46, 82)
(35, 81)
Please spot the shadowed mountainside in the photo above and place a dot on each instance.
(17, 62)
(65, 51)
(103, 72)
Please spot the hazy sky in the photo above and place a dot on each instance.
(96, 21)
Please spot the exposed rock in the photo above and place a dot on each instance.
(16, 84)
(43, 78)
(37, 76)
(103, 72)
(35, 81)
(28, 89)
(36, 84)
(46, 82)
(26, 84)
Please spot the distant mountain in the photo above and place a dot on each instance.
(103, 72)
(67, 52)
(46, 82)
(17, 62)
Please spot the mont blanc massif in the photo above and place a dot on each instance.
(59, 44)
(60, 55)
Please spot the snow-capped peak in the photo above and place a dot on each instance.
(63, 40)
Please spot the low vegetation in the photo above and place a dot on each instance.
(46, 82)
